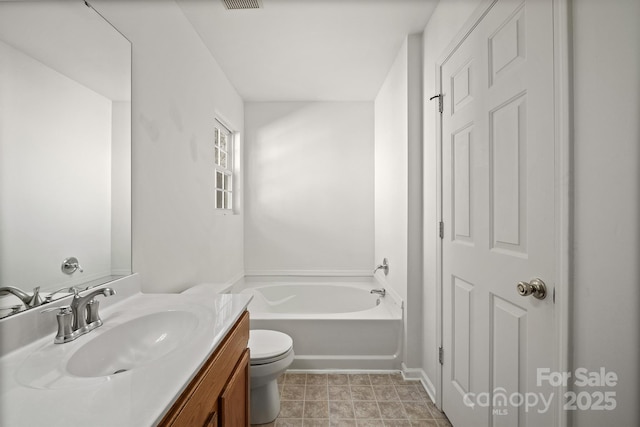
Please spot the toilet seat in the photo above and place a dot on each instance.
(268, 346)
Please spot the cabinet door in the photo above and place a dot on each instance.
(213, 420)
(234, 401)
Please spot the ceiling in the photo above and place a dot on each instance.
(307, 50)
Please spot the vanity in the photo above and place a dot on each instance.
(158, 359)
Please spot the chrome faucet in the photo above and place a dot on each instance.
(85, 310)
(29, 301)
(382, 291)
(80, 317)
(384, 267)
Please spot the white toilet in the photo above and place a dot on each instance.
(271, 355)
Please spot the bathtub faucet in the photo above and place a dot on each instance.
(384, 267)
(382, 292)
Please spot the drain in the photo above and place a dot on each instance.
(119, 371)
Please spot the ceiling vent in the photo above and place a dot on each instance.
(242, 4)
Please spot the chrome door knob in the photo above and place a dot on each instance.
(536, 287)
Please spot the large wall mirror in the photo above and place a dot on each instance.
(65, 149)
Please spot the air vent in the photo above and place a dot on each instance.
(242, 4)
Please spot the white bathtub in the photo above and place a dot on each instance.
(334, 325)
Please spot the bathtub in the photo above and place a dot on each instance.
(334, 324)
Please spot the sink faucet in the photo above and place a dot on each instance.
(80, 317)
(85, 309)
(29, 301)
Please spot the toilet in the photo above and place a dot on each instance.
(271, 353)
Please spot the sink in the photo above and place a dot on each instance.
(132, 344)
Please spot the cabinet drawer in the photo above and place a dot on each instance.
(197, 403)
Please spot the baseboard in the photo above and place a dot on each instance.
(420, 374)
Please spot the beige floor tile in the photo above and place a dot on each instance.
(316, 392)
(380, 379)
(289, 422)
(315, 422)
(359, 379)
(385, 393)
(338, 392)
(362, 392)
(342, 423)
(397, 423)
(316, 409)
(292, 392)
(316, 379)
(409, 393)
(291, 409)
(366, 410)
(341, 409)
(417, 411)
(338, 379)
(424, 423)
(369, 423)
(392, 410)
(299, 379)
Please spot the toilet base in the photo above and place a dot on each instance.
(265, 403)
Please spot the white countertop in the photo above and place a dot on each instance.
(36, 389)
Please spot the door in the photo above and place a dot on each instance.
(498, 207)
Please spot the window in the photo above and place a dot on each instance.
(223, 158)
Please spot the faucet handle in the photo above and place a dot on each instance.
(70, 265)
(92, 312)
(65, 322)
(36, 299)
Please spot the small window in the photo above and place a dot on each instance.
(223, 158)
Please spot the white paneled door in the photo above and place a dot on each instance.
(498, 207)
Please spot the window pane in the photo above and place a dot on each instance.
(216, 155)
(216, 136)
(223, 159)
(227, 200)
(219, 199)
(220, 178)
(223, 142)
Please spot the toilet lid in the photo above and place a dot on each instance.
(266, 344)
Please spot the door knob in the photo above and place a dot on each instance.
(537, 288)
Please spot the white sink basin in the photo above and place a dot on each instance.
(133, 343)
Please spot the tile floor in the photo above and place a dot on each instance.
(354, 400)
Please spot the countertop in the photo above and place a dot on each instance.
(36, 389)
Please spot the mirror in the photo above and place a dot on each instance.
(65, 149)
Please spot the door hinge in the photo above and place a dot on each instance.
(441, 229)
(441, 355)
(440, 101)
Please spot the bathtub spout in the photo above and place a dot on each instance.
(382, 292)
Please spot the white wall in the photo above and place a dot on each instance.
(177, 90)
(55, 187)
(606, 291)
(309, 187)
(446, 21)
(398, 187)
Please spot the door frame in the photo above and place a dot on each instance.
(563, 190)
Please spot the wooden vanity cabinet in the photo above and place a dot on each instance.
(219, 393)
